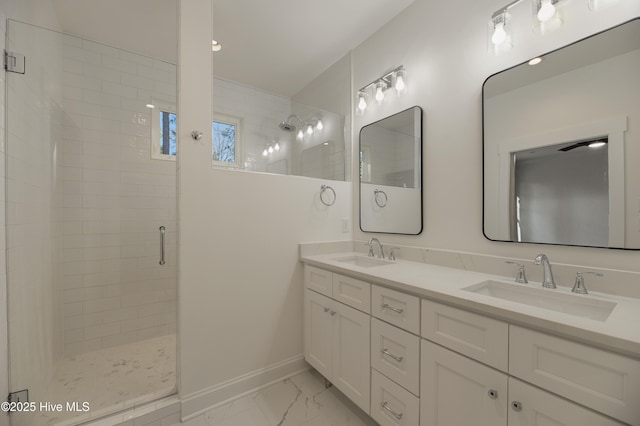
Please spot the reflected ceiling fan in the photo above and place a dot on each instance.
(594, 143)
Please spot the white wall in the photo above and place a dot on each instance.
(115, 199)
(443, 46)
(240, 290)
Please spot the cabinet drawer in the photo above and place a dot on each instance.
(391, 405)
(600, 380)
(538, 407)
(352, 292)
(399, 309)
(396, 354)
(318, 280)
(457, 391)
(479, 337)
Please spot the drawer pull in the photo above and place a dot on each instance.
(384, 405)
(386, 352)
(387, 306)
(516, 405)
(326, 309)
(493, 394)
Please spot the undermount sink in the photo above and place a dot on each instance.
(584, 307)
(363, 262)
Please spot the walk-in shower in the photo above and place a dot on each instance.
(92, 312)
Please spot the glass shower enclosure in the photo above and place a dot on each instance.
(92, 311)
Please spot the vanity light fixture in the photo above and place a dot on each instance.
(396, 78)
(270, 148)
(499, 31)
(362, 102)
(547, 16)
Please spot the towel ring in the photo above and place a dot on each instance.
(323, 188)
(376, 193)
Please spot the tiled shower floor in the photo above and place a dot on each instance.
(113, 379)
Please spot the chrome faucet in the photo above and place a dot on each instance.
(380, 250)
(547, 278)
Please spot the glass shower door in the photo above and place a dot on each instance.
(92, 312)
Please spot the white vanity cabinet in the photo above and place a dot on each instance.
(474, 378)
(337, 339)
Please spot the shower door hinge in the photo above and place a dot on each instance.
(14, 62)
(19, 396)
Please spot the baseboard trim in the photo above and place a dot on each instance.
(198, 402)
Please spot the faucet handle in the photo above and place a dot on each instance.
(392, 253)
(578, 286)
(370, 248)
(521, 277)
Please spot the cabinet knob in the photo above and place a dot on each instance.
(493, 394)
(516, 405)
(326, 309)
(333, 313)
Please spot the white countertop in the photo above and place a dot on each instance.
(619, 332)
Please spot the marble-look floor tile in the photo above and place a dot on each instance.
(300, 400)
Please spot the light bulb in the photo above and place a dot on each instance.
(535, 61)
(309, 129)
(270, 149)
(596, 144)
(150, 106)
(276, 146)
(546, 11)
(499, 34)
(265, 152)
(299, 135)
(319, 125)
(400, 84)
(362, 103)
(215, 46)
(379, 92)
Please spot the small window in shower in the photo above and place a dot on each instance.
(226, 143)
(163, 131)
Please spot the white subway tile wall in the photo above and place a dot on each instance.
(115, 199)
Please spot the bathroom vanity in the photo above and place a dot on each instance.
(418, 344)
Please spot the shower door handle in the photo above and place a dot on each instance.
(162, 229)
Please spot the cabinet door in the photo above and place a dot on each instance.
(351, 364)
(530, 406)
(318, 331)
(458, 391)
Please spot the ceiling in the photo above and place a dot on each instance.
(276, 45)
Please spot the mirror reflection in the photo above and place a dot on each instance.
(391, 174)
(559, 142)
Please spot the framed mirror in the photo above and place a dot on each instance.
(391, 174)
(561, 142)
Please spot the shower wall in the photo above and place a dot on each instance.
(115, 199)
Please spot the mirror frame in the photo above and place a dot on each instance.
(421, 175)
(484, 231)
